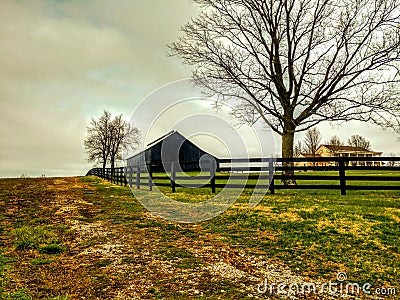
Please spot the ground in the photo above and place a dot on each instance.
(84, 238)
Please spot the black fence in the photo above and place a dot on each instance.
(264, 173)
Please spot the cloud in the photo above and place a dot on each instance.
(39, 47)
(42, 39)
(62, 62)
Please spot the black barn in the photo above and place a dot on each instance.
(171, 148)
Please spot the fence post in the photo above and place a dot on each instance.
(150, 170)
(130, 168)
(173, 177)
(342, 175)
(212, 175)
(271, 175)
(138, 177)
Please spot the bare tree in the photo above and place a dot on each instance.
(123, 137)
(359, 141)
(312, 140)
(298, 149)
(98, 139)
(296, 63)
(335, 141)
(106, 137)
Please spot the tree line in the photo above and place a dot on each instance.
(313, 138)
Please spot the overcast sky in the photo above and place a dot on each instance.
(63, 62)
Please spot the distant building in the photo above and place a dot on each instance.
(308, 163)
(172, 147)
(349, 151)
(341, 151)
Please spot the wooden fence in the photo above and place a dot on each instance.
(264, 173)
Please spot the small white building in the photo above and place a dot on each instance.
(340, 151)
(349, 151)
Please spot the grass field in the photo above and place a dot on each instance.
(76, 238)
(164, 179)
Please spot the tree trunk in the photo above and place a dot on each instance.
(287, 153)
(112, 165)
(104, 168)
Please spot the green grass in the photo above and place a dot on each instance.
(316, 232)
(183, 258)
(51, 249)
(321, 233)
(18, 295)
(103, 263)
(40, 261)
(277, 182)
(6, 264)
(64, 297)
(28, 237)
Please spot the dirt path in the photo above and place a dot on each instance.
(113, 249)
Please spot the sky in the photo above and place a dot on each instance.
(64, 62)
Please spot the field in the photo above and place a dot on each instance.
(310, 178)
(85, 238)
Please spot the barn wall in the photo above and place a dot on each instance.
(188, 152)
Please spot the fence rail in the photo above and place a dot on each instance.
(263, 173)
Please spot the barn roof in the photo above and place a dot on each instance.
(344, 148)
(163, 137)
(166, 136)
(310, 155)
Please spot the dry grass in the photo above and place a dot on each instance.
(114, 249)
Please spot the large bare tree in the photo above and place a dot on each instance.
(296, 63)
(107, 137)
